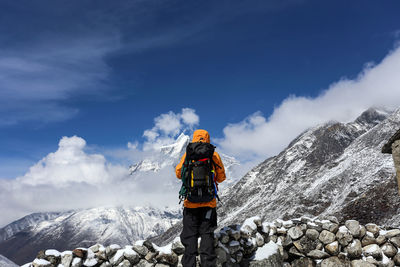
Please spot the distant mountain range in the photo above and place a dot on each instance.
(22, 239)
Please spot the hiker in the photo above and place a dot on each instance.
(201, 170)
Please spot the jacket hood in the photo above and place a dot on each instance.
(201, 136)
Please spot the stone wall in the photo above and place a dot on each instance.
(295, 243)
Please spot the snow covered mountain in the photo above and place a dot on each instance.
(168, 157)
(4, 262)
(335, 168)
(21, 240)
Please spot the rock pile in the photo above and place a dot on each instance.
(294, 243)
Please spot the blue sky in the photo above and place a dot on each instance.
(104, 70)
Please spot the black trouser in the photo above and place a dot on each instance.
(199, 222)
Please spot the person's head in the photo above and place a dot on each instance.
(201, 136)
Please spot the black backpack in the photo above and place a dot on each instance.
(198, 173)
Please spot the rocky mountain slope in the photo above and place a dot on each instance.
(83, 228)
(335, 168)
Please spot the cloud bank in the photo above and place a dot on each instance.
(258, 137)
(72, 178)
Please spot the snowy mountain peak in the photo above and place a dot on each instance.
(176, 149)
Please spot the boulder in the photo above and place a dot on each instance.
(305, 244)
(295, 232)
(333, 248)
(373, 228)
(326, 237)
(178, 247)
(303, 262)
(389, 250)
(333, 262)
(344, 236)
(373, 250)
(354, 249)
(170, 259)
(361, 263)
(141, 250)
(354, 227)
(312, 234)
(317, 254)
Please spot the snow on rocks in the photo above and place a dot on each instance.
(298, 242)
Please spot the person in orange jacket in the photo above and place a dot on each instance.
(200, 219)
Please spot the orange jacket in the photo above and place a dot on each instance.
(203, 136)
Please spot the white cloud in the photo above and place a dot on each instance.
(71, 178)
(70, 164)
(258, 137)
(189, 116)
(167, 126)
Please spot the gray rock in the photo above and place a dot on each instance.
(333, 262)
(392, 233)
(381, 240)
(125, 263)
(111, 250)
(333, 219)
(66, 259)
(344, 236)
(396, 259)
(287, 242)
(144, 263)
(354, 227)
(233, 246)
(330, 226)
(295, 232)
(150, 257)
(354, 249)
(303, 262)
(141, 250)
(312, 234)
(373, 228)
(294, 251)
(363, 231)
(170, 259)
(317, 254)
(259, 240)
(313, 225)
(305, 244)
(274, 260)
(373, 250)
(361, 263)
(132, 256)
(105, 264)
(326, 237)
(222, 255)
(178, 247)
(333, 248)
(389, 250)
(395, 241)
(224, 238)
(368, 240)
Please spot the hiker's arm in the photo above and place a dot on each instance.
(220, 172)
(178, 168)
